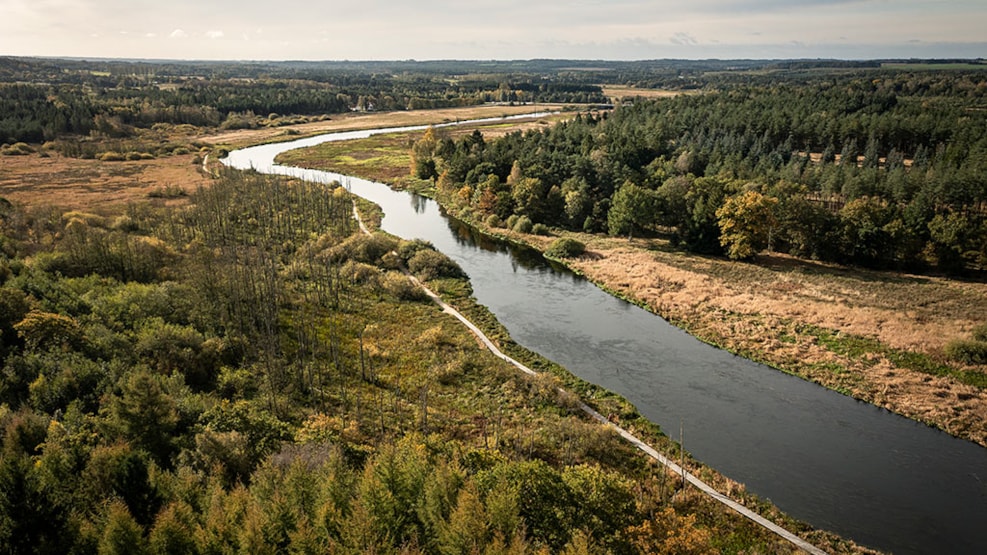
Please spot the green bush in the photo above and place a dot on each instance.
(431, 264)
(980, 333)
(512, 221)
(494, 221)
(565, 247)
(408, 249)
(523, 225)
(540, 229)
(967, 351)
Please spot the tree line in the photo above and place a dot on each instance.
(884, 173)
(43, 100)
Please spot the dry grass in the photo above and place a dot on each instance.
(631, 92)
(795, 314)
(92, 185)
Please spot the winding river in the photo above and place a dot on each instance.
(839, 464)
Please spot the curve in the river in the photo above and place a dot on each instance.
(839, 464)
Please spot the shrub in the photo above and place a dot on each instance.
(400, 286)
(523, 225)
(540, 229)
(512, 221)
(17, 149)
(565, 247)
(133, 155)
(368, 249)
(408, 249)
(358, 272)
(168, 191)
(431, 264)
(494, 221)
(967, 351)
(111, 156)
(980, 333)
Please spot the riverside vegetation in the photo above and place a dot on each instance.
(210, 365)
(755, 169)
(248, 372)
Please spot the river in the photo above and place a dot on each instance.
(839, 464)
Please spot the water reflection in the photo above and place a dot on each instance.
(418, 203)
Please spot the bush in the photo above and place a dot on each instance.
(540, 229)
(358, 272)
(408, 249)
(111, 156)
(980, 333)
(512, 221)
(967, 351)
(565, 247)
(494, 221)
(523, 225)
(400, 286)
(430, 264)
(17, 149)
(368, 249)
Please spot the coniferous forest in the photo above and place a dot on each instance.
(882, 170)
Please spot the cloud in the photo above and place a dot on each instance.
(178, 34)
(683, 39)
(214, 34)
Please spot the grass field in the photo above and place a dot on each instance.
(624, 92)
(54, 180)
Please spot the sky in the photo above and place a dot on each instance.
(500, 30)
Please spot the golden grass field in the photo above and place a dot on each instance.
(631, 92)
(34, 181)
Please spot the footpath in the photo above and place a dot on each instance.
(631, 438)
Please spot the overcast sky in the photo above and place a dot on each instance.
(502, 29)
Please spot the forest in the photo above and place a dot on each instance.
(882, 170)
(243, 371)
(41, 100)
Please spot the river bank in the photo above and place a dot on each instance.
(875, 336)
(793, 441)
